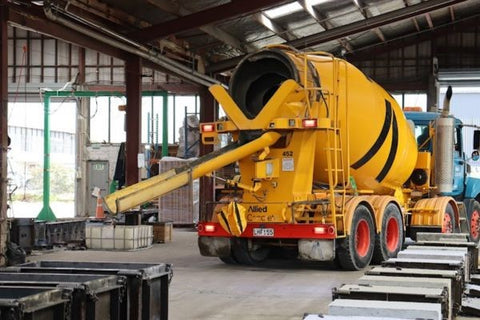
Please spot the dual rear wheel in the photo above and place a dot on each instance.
(363, 245)
(355, 252)
(243, 252)
(473, 219)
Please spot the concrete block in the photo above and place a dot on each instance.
(416, 272)
(387, 309)
(331, 317)
(471, 306)
(431, 236)
(443, 264)
(418, 283)
(433, 254)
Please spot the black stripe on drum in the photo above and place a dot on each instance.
(393, 151)
(380, 140)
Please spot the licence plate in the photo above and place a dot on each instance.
(263, 232)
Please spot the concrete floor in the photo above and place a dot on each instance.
(205, 288)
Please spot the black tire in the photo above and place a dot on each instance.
(449, 224)
(243, 255)
(473, 218)
(355, 253)
(228, 260)
(389, 241)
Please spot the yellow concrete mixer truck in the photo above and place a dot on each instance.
(329, 166)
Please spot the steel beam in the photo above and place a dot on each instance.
(366, 54)
(35, 19)
(352, 28)
(179, 11)
(374, 22)
(195, 20)
(428, 17)
(133, 77)
(274, 27)
(207, 114)
(3, 127)
(323, 22)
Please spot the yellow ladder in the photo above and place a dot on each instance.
(335, 152)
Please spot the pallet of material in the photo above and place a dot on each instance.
(180, 206)
(162, 232)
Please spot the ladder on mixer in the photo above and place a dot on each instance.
(334, 150)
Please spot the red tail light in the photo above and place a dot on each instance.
(209, 228)
(320, 230)
(208, 127)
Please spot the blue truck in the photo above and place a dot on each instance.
(440, 135)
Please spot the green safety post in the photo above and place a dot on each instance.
(46, 213)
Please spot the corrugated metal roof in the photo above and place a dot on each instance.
(225, 35)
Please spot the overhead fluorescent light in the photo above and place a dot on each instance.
(316, 2)
(283, 10)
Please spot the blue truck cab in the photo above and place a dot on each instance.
(465, 188)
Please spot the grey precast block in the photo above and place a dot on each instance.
(394, 293)
(416, 272)
(472, 290)
(330, 317)
(433, 254)
(471, 306)
(475, 278)
(442, 264)
(455, 276)
(460, 249)
(469, 247)
(386, 309)
(415, 282)
(431, 236)
(347, 289)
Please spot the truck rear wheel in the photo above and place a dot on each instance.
(448, 225)
(390, 239)
(228, 260)
(249, 256)
(473, 216)
(356, 249)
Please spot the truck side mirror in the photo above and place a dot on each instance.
(476, 139)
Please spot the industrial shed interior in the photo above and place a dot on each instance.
(228, 159)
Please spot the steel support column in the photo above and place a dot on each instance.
(432, 94)
(3, 127)
(133, 76)
(81, 138)
(207, 114)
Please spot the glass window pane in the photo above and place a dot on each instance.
(117, 120)
(416, 100)
(99, 120)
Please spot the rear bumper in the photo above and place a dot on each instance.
(275, 231)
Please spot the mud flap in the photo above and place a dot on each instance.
(316, 250)
(214, 246)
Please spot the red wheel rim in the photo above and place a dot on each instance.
(474, 224)
(362, 239)
(392, 234)
(447, 226)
